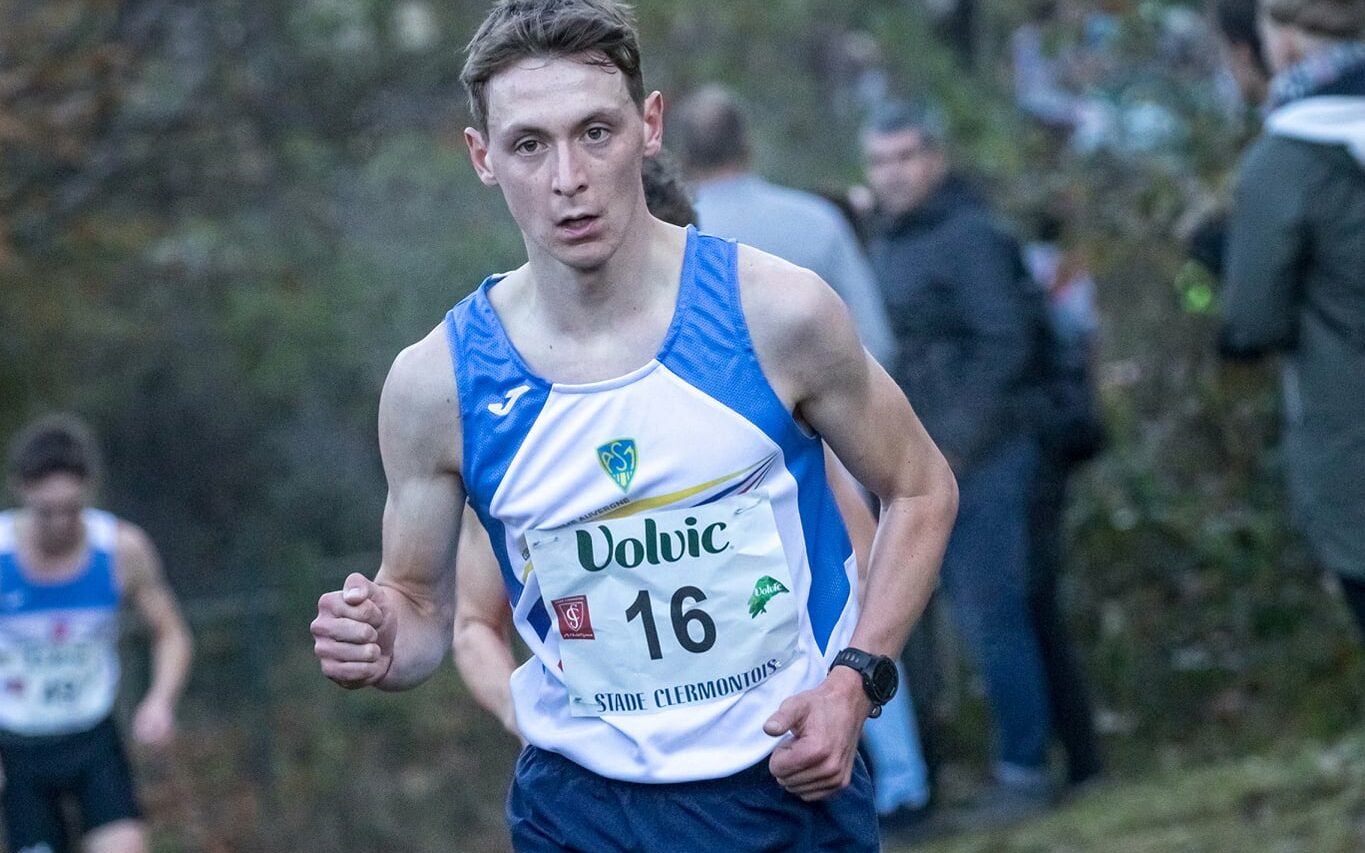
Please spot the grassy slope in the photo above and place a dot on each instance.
(1308, 798)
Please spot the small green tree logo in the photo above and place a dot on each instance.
(765, 590)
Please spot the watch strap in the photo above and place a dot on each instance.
(861, 662)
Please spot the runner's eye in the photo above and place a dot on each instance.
(527, 146)
(597, 134)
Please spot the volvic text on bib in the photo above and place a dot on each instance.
(671, 608)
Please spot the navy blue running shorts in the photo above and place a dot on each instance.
(88, 769)
(557, 805)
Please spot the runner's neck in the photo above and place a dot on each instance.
(581, 300)
(580, 328)
(57, 566)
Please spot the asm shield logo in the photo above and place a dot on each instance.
(618, 458)
(574, 621)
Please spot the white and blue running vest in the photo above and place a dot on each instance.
(697, 424)
(59, 667)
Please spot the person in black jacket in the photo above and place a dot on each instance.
(967, 327)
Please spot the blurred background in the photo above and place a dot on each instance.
(219, 222)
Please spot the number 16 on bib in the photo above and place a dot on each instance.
(671, 608)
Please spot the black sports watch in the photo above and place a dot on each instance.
(879, 675)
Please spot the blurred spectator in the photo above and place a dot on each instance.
(1061, 61)
(1295, 276)
(710, 134)
(1041, 85)
(1076, 436)
(1239, 40)
(958, 298)
(1077, 73)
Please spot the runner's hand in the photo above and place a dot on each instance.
(354, 631)
(825, 724)
(153, 722)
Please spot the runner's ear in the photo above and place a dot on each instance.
(653, 114)
(477, 144)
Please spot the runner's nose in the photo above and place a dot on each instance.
(570, 178)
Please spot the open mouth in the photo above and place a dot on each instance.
(577, 225)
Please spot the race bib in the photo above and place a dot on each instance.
(666, 609)
(52, 680)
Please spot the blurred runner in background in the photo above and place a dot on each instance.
(65, 571)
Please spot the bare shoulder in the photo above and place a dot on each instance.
(419, 409)
(801, 329)
(137, 561)
(778, 294)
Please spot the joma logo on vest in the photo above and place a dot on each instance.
(654, 548)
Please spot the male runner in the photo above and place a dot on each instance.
(482, 643)
(636, 415)
(64, 570)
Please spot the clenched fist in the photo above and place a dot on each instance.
(354, 631)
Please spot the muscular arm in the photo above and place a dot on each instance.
(483, 624)
(858, 520)
(419, 445)
(145, 589)
(852, 278)
(811, 356)
(394, 632)
(889, 452)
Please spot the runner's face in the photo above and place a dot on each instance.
(902, 169)
(565, 142)
(55, 503)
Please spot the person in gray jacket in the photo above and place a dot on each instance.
(710, 134)
(1295, 275)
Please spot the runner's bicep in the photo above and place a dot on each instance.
(143, 583)
(419, 451)
(870, 426)
(420, 527)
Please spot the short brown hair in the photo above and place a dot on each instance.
(1337, 19)
(601, 30)
(55, 444)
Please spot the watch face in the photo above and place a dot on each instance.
(884, 678)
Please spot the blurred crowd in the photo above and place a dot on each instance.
(994, 325)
